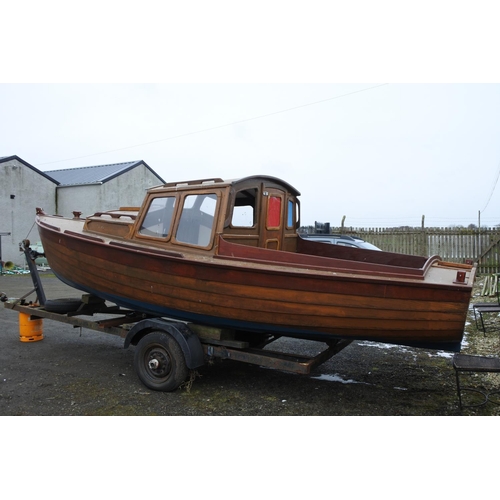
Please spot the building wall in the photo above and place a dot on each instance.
(17, 215)
(125, 190)
(30, 189)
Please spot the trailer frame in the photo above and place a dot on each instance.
(166, 349)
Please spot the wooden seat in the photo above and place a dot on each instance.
(473, 363)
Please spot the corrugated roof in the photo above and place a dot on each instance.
(97, 174)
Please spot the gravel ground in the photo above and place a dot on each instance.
(73, 372)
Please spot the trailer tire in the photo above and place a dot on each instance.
(159, 362)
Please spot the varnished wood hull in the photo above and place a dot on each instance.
(259, 295)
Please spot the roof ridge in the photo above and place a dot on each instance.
(96, 166)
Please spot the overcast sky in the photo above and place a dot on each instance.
(400, 143)
(378, 154)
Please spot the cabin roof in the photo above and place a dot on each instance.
(97, 174)
(218, 182)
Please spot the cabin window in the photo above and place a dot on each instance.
(273, 212)
(290, 217)
(158, 218)
(244, 208)
(197, 219)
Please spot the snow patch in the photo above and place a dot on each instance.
(337, 378)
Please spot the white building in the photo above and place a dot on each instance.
(23, 188)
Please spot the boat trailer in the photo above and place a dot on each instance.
(166, 350)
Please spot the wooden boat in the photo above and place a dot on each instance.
(227, 254)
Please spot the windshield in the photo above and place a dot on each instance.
(368, 246)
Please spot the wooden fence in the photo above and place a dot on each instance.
(482, 245)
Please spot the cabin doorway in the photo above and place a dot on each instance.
(271, 223)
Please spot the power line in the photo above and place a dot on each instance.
(492, 190)
(217, 126)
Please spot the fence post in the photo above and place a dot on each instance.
(424, 250)
(479, 238)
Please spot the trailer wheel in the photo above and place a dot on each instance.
(159, 362)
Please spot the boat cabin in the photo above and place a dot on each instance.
(259, 211)
(248, 218)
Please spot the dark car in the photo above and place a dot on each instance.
(340, 239)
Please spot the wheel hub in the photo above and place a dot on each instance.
(159, 363)
(153, 364)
